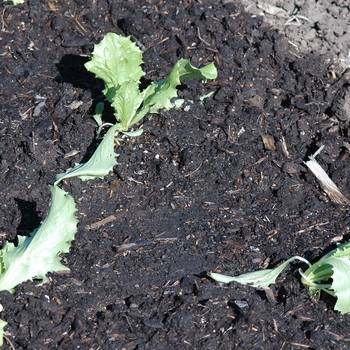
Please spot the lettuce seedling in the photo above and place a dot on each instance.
(117, 61)
(331, 274)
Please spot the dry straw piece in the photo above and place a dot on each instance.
(326, 183)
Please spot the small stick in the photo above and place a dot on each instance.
(205, 42)
(311, 227)
(100, 223)
(10, 342)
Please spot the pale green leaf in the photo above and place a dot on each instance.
(204, 97)
(316, 273)
(178, 102)
(126, 101)
(331, 274)
(337, 269)
(16, 2)
(159, 94)
(39, 254)
(209, 71)
(99, 165)
(116, 60)
(342, 251)
(341, 283)
(261, 278)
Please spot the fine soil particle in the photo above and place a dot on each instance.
(219, 185)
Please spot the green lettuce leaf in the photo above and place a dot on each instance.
(39, 254)
(257, 279)
(331, 275)
(126, 101)
(16, 2)
(342, 251)
(341, 283)
(100, 164)
(158, 95)
(116, 60)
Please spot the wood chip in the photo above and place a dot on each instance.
(269, 142)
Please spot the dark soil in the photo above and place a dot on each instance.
(198, 191)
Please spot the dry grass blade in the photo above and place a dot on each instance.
(326, 183)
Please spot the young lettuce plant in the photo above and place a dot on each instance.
(117, 61)
(331, 274)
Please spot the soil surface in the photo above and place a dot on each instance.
(219, 185)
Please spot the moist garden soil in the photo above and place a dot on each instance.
(217, 185)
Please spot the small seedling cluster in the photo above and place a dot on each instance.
(117, 61)
(331, 274)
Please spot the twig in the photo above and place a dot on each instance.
(10, 342)
(146, 242)
(2, 19)
(194, 171)
(133, 180)
(100, 223)
(80, 25)
(311, 227)
(205, 42)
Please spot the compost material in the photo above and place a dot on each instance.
(219, 184)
